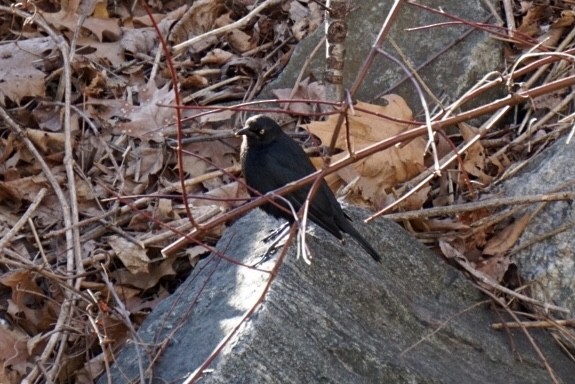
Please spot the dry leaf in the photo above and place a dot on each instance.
(132, 255)
(306, 19)
(19, 74)
(13, 355)
(145, 121)
(28, 303)
(445, 225)
(474, 158)
(47, 142)
(451, 250)
(306, 89)
(551, 38)
(240, 41)
(531, 22)
(216, 56)
(68, 18)
(494, 267)
(505, 239)
(199, 18)
(150, 160)
(384, 169)
(107, 53)
(194, 253)
(225, 196)
(146, 279)
(26, 188)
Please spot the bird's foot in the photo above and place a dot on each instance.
(266, 257)
(276, 232)
(273, 247)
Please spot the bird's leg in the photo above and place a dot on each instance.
(276, 232)
(279, 235)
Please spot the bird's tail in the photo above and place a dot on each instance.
(363, 242)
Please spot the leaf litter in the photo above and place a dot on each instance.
(123, 134)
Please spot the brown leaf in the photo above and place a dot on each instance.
(146, 279)
(149, 161)
(132, 255)
(29, 300)
(225, 196)
(25, 188)
(531, 22)
(551, 38)
(474, 160)
(199, 18)
(19, 73)
(384, 169)
(494, 267)
(106, 53)
(445, 225)
(549, 100)
(505, 239)
(68, 18)
(145, 121)
(47, 142)
(13, 355)
(240, 41)
(451, 250)
(306, 19)
(219, 153)
(216, 56)
(306, 89)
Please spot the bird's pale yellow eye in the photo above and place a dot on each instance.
(261, 132)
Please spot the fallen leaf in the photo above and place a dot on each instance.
(13, 355)
(505, 239)
(474, 157)
(216, 56)
(494, 267)
(240, 41)
(383, 169)
(19, 74)
(132, 255)
(146, 279)
(68, 18)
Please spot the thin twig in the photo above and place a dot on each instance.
(486, 204)
(490, 283)
(241, 23)
(5, 239)
(527, 334)
(534, 324)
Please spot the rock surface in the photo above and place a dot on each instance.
(466, 58)
(342, 319)
(548, 264)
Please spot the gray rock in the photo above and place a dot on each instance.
(548, 265)
(342, 319)
(452, 72)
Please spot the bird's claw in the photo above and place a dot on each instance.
(267, 255)
(275, 233)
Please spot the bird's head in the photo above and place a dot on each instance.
(260, 130)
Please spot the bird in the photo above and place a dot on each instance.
(270, 159)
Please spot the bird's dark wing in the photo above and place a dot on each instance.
(276, 165)
(283, 162)
(270, 160)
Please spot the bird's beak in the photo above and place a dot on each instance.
(243, 131)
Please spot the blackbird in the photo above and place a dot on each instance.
(271, 159)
